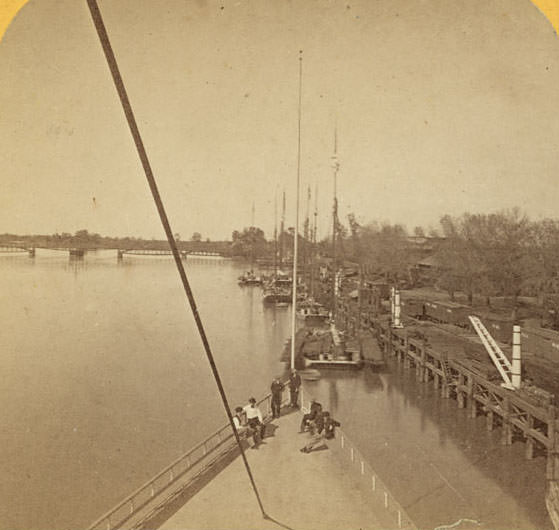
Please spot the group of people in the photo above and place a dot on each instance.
(254, 427)
(249, 421)
(294, 384)
(320, 424)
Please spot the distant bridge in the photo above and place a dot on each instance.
(150, 252)
(16, 248)
(187, 248)
(21, 247)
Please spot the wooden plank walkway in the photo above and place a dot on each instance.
(299, 491)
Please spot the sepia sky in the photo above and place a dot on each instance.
(442, 106)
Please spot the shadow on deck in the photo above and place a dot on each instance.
(298, 490)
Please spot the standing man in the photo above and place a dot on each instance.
(254, 417)
(276, 389)
(294, 385)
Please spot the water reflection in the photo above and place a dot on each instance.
(104, 375)
(333, 396)
(440, 464)
(115, 384)
(372, 381)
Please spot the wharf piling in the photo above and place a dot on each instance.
(518, 415)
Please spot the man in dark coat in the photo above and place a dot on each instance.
(294, 385)
(276, 389)
(316, 408)
(326, 427)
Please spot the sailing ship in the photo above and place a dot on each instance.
(311, 312)
(276, 295)
(320, 343)
(277, 288)
(250, 278)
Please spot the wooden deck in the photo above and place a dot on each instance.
(298, 490)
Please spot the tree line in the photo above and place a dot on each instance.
(504, 253)
(91, 240)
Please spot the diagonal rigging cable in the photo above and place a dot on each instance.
(111, 60)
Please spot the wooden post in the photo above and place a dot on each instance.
(383, 335)
(406, 357)
(436, 380)
(471, 399)
(460, 392)
(445, 390)
(506, 437)
(423, 375)
(406, 344)
(529, 439)
(489, 420)
(417, 363)
(552, 470)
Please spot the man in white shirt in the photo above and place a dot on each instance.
(238, 420)
(254, 417)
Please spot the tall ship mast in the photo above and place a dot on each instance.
(336, 167)
(296, 231)
(275, 234)
(282, 229)
(313, 243)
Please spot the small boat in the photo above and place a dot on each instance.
(312, 313)
(77, 252)
(276, 295)
(317, 347)
(249, 278)
(349, 359)
(309, 374)
(280, 280)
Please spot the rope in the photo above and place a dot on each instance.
(117, 79)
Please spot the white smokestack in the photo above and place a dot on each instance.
(397, 323)
(516, 357)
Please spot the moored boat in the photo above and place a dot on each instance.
(312, 313)
(316, 347)
(275, 295)
(249, 278)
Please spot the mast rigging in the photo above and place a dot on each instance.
(132, 124)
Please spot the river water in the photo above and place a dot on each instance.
(105, 382)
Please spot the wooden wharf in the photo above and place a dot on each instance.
(519, 414)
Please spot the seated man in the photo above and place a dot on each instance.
(330, 425)
(254, 417)
(316, 407)
(251, 434)
(326, 426)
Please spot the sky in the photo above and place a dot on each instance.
(440, 107)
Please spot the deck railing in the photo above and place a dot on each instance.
(187, 468)
(355, 462)
(192, 464)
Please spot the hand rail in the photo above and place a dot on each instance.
(402, 519)
(150, 485)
